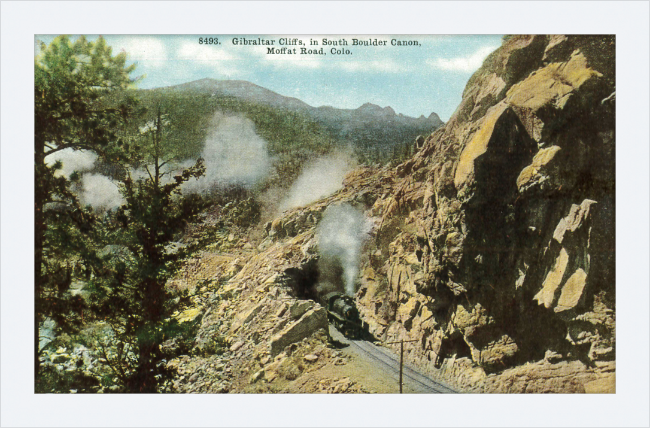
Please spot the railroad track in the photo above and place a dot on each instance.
(413, 380)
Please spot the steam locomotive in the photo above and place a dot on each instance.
(342, 312)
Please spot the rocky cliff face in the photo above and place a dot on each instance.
(497, 245)
(260, 326)
(491, 250)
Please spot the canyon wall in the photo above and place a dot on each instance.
(496, 246)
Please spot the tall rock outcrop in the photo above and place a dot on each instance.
(496, 246)
(491, 250)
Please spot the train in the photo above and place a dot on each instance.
(343, 313)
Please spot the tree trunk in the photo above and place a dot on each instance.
(39, 233)
(144, 380)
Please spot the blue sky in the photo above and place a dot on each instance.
(413, 80)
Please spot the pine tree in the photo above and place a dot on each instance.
(135, 301)
(72, 83)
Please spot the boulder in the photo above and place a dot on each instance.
(572, 291)
(270, 376)
(536, 172)
(281, 311)
(311, 358)
(236, 346)
(189, 315)
(495, 353)
(257, 376)
(574, 220)
(312, 321)
(299, 308)
(247, 315)
(546, 295)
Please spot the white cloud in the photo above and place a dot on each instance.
(149, 49)
(385, 66)
(196, 52)
(213, 56)
(465, 64)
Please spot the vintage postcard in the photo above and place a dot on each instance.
(324, 214)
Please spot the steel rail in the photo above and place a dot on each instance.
(410, 373)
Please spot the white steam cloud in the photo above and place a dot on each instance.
(319, 179)
(72, 160)
(96, 190)
(233, 154)
(100, 191)
(341, 235)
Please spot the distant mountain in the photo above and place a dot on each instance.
(371, 112)
(243, 90)
(254, 93)
(369, 126)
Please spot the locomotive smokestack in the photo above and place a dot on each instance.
(341, 234)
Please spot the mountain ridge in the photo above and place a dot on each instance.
(250, 91)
